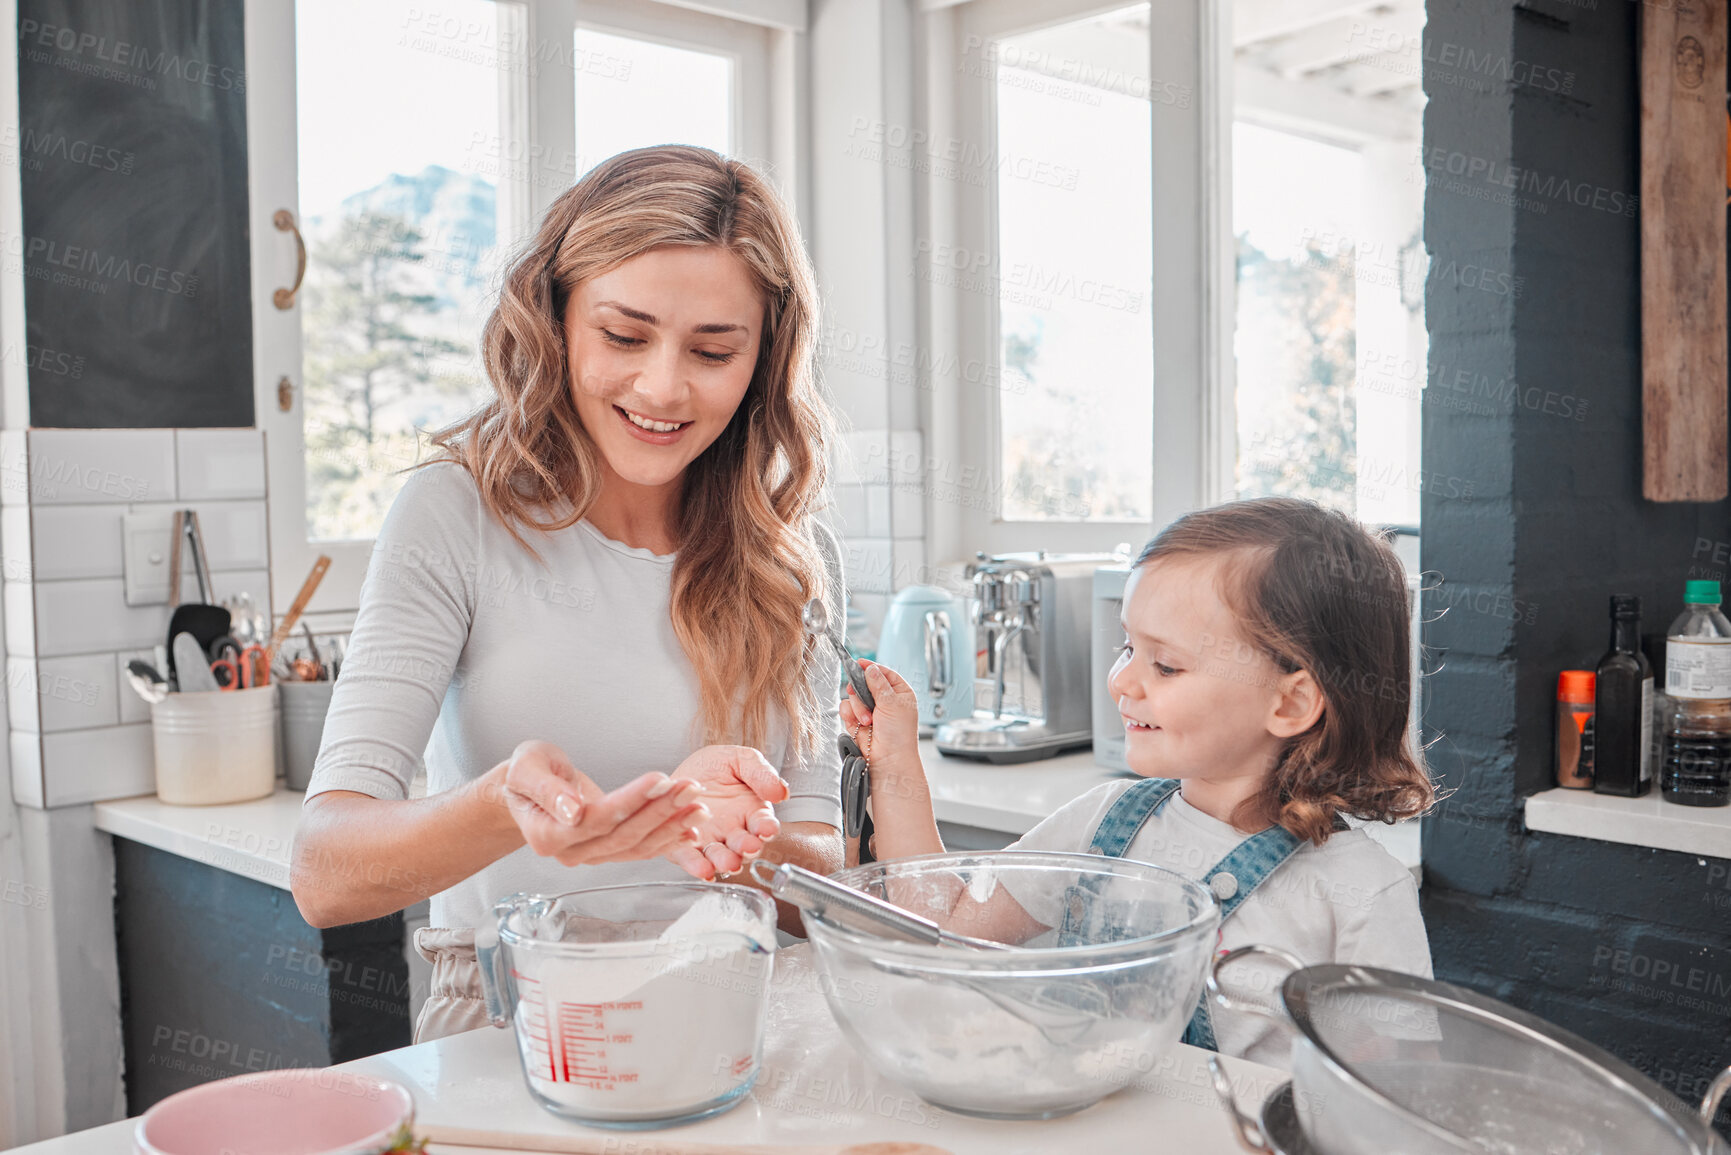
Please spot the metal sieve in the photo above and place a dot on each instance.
(1394, 1064)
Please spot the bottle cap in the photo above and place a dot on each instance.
(1576, 687)
(1626, 607)
(1701, 593)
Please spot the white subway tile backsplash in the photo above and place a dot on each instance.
(236, 535)
(861, 457)
(219, 464)
(866, 565)
(21, 708)
(907, 453)
(15, 551)
(25, 750)
(100, 466)
(14, 468)
(76, 693)
(77, 541)
(908, 509)
(878, 511)
(910, 563)
(848, 506)
(81, 617)
(20, 618)
(255, 583)
(95, 765)
(132, 707)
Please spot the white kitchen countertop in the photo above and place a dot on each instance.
(253, 839)
(1645, 821)
(814, 1088)
(246, 838)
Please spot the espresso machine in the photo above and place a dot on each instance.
(1032, 635)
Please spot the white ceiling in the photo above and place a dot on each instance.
(1343, 63)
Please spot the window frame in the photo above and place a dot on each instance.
(1194, 434)
(538, 114)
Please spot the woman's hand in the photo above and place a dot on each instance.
(738, 786)
(566, 817)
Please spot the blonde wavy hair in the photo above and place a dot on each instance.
(747, 557)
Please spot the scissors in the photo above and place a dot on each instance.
(238, 667)
(855, 786)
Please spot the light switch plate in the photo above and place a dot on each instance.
(145, 537)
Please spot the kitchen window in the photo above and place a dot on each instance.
(479, 114)
(1192, 265)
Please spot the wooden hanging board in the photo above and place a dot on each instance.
(1683, 204)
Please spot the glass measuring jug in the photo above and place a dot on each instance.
(634, 1006)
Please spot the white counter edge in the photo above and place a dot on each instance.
(1648, 821)
(251, 839)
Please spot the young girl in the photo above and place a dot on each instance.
(1264, 688)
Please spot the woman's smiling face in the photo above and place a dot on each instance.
(660, 351)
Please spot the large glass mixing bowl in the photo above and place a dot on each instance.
(1105, 970)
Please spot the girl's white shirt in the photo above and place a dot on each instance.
(1347, 901)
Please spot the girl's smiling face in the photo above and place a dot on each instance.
(661, 351)
(1197, 699)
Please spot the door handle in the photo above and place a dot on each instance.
(285, 223)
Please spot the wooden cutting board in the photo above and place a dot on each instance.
(1683, 255)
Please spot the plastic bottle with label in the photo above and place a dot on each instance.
(1697, 765)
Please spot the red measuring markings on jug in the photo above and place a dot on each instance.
(570, 1046)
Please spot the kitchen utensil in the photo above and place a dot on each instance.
(573, 1143)
(815, 618)
(928, 639)
(249, 623)
(145, 681)
(638, 1005)
(1123, 956)
(299, 605)
(205, 622)
(1277, 1131)
(300, 1109)
(856, 789)
(855, 910)
(1423, 1067)
(238, 667)
(214, 748)
(191, 665)
(865, 914)
(1031, 619)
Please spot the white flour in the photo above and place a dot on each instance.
(656, 1035)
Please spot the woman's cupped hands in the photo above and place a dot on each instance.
(710, 816)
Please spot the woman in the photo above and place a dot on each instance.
(598, 584)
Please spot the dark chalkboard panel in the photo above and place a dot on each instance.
(132, 145)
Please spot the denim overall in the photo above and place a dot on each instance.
(1233, 879)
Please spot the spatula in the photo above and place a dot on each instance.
(604, 1144)
(205, 622)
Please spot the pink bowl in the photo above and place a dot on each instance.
(294, 1112)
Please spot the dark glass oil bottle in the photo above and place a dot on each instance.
(1623, 708)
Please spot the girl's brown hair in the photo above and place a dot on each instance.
(1315, 592)
(747, 557)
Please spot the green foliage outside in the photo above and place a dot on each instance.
(385, 357)
(1297, 433)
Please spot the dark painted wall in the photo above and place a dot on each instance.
(1533, 306)
(220, 976)
(132, 150)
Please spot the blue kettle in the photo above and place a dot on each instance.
(928, 639)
